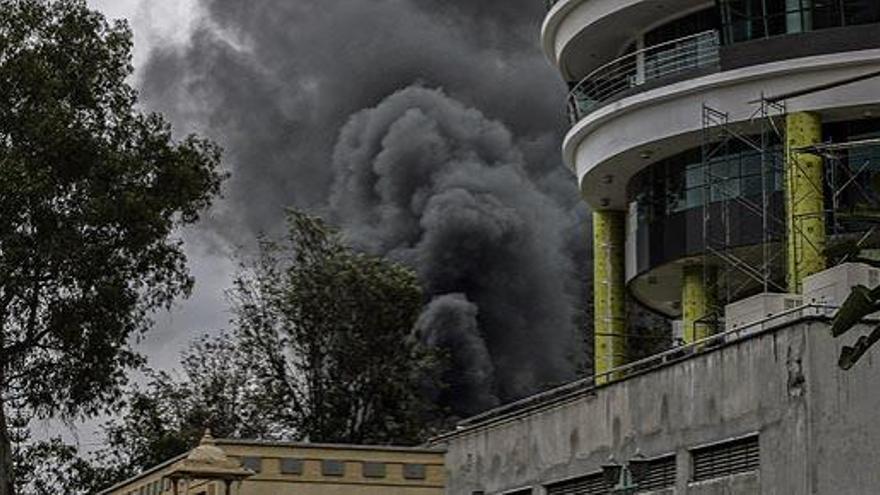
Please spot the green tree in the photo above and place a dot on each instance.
(860, 303)
(91, 191)
(53, 466)
(321, 350)
(328, 334)
(168, 415)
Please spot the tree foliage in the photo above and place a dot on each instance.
(328, 335)
(321, 349)
(861, 302)
(53, 466)
(169, 413)
(91, 191)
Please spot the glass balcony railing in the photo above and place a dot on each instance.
(639, 67)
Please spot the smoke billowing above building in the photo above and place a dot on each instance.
(425, 180)
(428, 130)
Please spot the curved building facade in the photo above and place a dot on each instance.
(644, 73)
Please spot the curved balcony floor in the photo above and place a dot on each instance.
(614, 142)
(579, 35)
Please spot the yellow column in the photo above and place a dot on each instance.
(697, 299)
(805, 199)
(609, 308)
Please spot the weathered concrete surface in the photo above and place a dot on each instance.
(818, 425)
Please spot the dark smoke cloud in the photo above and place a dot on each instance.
(465, 184)
(274, 81)
(423, 179)
(450, 322)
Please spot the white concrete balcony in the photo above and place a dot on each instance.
(637, 70)
(580, 35)
(614, 141)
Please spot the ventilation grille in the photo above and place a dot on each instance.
(725, 459)
(593, 484)
(660, 474)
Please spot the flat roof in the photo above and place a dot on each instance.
(282, 444)
(572, 391)
(333, 446)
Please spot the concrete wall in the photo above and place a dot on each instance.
(816, 423)
(844, 417)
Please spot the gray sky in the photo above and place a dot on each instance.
(168, 23)
(164, 23)
(153, 21)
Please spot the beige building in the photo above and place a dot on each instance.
(242, 467)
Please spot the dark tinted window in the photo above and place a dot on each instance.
(703, 20)
(333, 468)
(744, 20)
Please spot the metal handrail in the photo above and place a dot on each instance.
(585, 385)
(636, 68)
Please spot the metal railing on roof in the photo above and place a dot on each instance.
(570, 391)
(636, 68)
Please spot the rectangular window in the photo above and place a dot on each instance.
(255, 464)
(593, 484)
(744, 20)
(330, 467)
(291, 466)
(725, 459)
(660, 474)
(373, 469)
(414, 471)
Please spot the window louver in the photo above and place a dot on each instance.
(660, 474)
(725, 459)
(593, 484)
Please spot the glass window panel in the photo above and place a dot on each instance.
(694, 197)
(414, 471)
(861, 11)
(255, 464)
(332, 467)
(292, 466)
(751, 164)
(744, 20)
(724, 190)
(751, 186)
(694, 177)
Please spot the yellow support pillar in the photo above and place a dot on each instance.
(697, 300)
(609, 308)
(805, 199)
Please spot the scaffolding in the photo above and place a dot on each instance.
(843, 176)
(733, 269)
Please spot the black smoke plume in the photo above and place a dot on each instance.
(323, 105)
(425, 180)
